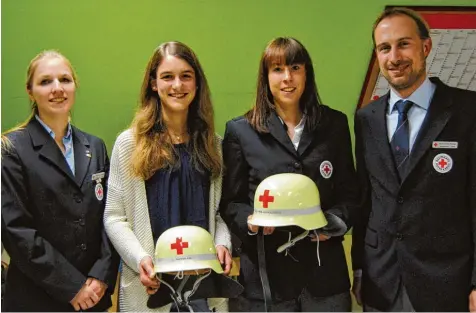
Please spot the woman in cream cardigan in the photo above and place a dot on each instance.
(165, 171)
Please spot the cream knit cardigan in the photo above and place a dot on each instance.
(127, 223)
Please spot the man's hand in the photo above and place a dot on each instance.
(357, 289)
(147, 275)
(85, 299)
(225, 258)
(472, 301)
(98, 286)
(254, 229)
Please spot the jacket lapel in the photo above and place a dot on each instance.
(277, 130)
(306, 139)
(380, 136)
(82, 156)
(47, 147)
(437, 116)
(308, 135)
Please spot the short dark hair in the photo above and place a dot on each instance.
(423, 28)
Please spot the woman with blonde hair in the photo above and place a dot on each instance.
(53, 187)
(165, 171)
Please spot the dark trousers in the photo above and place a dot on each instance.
(304, 303)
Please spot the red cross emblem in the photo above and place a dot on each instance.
(265, 198)
(179, 245)
(442, 163)
(99, 191)
(326, 169)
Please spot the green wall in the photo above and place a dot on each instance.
(109, 43)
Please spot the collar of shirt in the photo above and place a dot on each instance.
(69, 133)
(298, 129)
(420, 97)
(67, 142)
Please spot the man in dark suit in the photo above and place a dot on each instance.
(414, 241)
(52, 220)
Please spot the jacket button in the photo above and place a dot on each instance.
(78, 200)
(82, 222)
(400, 200)
(399, 236)
(297, 165)
(83, 247)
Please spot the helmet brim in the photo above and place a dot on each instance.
(188, 265)
(315, 221)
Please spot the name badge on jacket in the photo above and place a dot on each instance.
(98, 189)
(445, 145)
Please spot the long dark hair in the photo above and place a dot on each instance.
(288, 51)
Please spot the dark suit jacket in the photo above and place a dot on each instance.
(249, 158)
(52, 222)
(421, 229)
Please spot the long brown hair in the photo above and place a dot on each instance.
(288, 51)
(154, 149)
(30, 73)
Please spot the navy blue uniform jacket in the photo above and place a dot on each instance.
(52, 221)
(249, 158)
(422, 228)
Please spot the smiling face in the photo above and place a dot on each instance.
(287, 83)
(401, 53)
(175, 84)
(52, 87)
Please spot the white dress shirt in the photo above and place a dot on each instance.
(421, 99)
(298, 129)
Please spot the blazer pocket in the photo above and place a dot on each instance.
(371, 238)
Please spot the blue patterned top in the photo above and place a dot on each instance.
(178, 196)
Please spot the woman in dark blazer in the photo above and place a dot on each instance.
(290, 131)
(53, 198)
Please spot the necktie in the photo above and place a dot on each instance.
(401, 138)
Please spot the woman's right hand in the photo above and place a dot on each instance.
(254, 229)
(85, 299)
(147, 275)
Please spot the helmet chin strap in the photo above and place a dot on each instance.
(183, 299)
(291, 242)
(173, 294)
(188, 294)
(263, 273)
(179, 275)
(317, 249)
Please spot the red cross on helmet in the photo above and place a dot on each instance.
(288, 199)
(186, 248)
